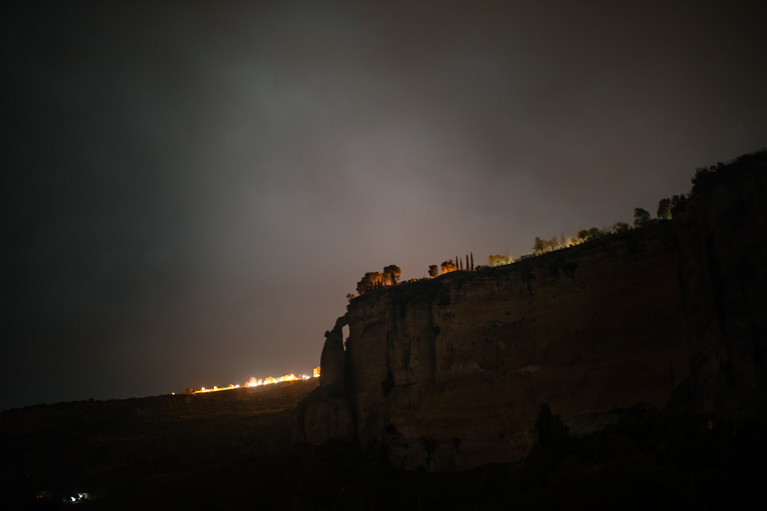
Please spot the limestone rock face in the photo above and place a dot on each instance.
(327, 413)
(450, 373)
(332, 361)
(326, 419)
(723, 274)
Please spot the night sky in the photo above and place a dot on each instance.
(190, 191)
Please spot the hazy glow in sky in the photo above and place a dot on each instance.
(192, 190)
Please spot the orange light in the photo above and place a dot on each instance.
(256, 382)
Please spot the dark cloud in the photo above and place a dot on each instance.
(191, 190)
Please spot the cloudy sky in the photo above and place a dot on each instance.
(190, 190)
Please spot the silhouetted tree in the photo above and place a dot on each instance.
(704, 178)
(589, 234)
(448, 266)
(433, 270)
(641, 217)
(678, 204)
(621, 227)
(664, 209)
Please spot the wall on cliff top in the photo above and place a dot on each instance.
(450, 373)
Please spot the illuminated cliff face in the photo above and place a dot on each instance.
(450, 373)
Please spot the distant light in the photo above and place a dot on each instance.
(253, 382)
(77, 498)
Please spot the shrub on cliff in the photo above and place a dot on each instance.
(620, 227)
(589, 234)
(448, 266)
(376, 279)
(668, 208)
(370, 281)
(664, 209)
(391, 275)
(641, 217)
(499, 260)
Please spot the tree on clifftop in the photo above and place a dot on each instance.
(664, 209)
(641, 217)
(620, 227)
(589, 234)
(448, 266)
(667, 208)
(391, 275)
(376, 279)
(370, 281)
(541, 245)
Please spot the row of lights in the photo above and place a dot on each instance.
(253, 382)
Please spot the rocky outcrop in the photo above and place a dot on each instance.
(332, 360)
(326, 414)
(450, 373)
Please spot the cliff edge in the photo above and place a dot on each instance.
(450, 373)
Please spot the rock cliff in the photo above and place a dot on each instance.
(450, 373)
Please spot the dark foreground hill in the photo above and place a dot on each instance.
(232, 450)
(150, 453)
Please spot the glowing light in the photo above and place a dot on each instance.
(257, 382)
